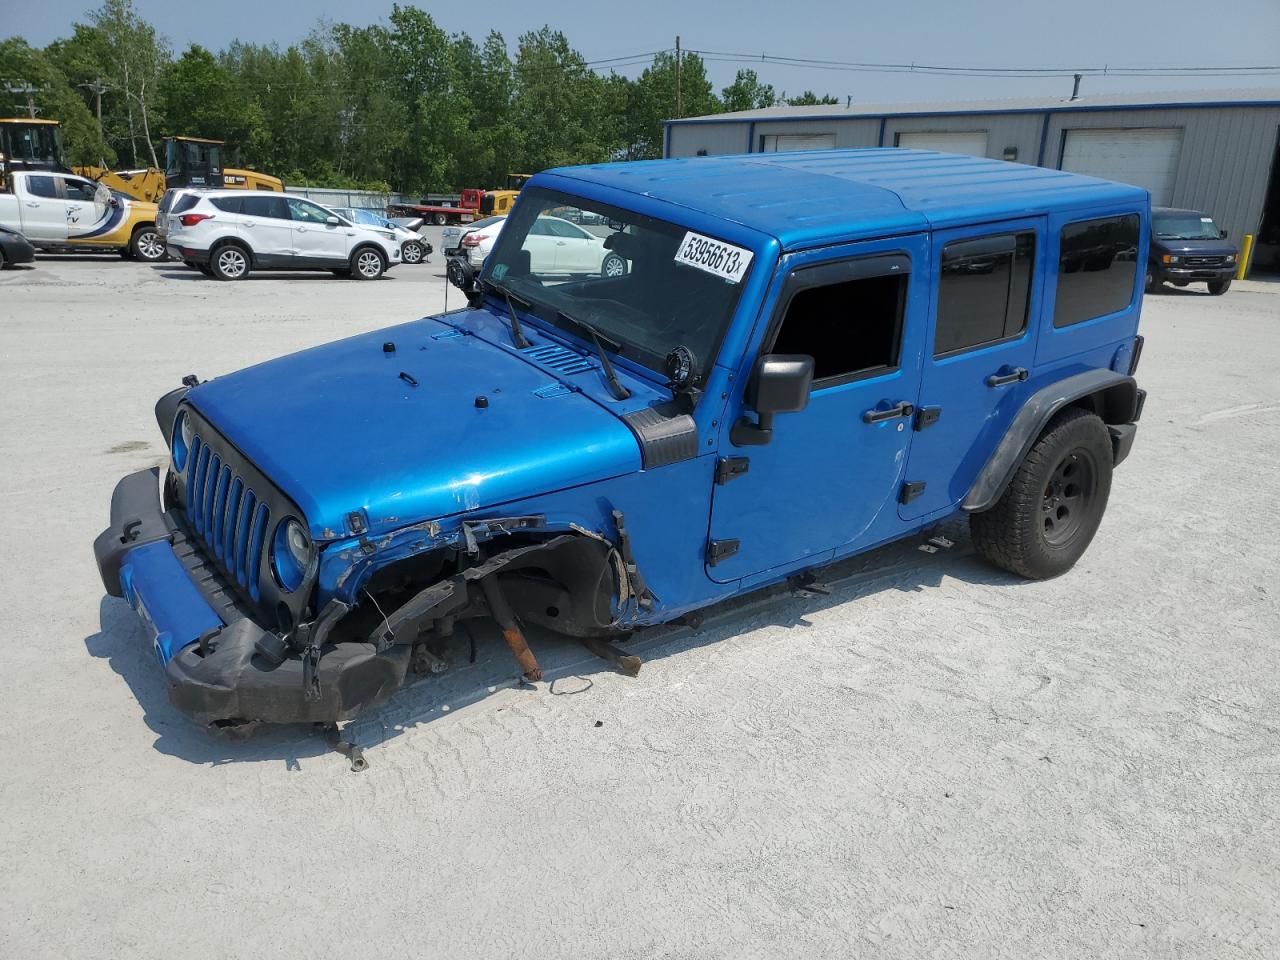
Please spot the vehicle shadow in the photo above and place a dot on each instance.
(168, 272)
(567, 666)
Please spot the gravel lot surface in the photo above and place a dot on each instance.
(936, 761)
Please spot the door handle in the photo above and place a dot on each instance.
(301, 229)
(903, 409)
(1016, 375)
(31, 203)
(248, 223)
(559, 243)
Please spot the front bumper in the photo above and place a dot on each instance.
(205, 640)
(1197, 274)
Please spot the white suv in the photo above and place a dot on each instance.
(229, 233)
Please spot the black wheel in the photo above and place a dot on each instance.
(439, 219)
(411, 252)
(1219, 287)
(229, 262)
(146, 245)
(613, 266)
(1153, 282)
(2, 260)
(1052, 508)
(367, 264)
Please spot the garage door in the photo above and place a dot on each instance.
(773, 142)
(1145, 158)
(974, 142)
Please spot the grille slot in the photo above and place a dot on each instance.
(1204, 261)
(559, 358)
(229, 520)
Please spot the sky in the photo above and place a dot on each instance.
(984, 33)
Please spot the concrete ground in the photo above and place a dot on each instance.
(936, 761)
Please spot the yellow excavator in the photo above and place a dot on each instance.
(496, 202)
(27, 144)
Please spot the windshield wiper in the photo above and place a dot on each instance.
(615, 385)
(517, 332)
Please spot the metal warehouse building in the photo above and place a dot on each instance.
(1215, 151)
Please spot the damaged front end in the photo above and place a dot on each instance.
(242, 640)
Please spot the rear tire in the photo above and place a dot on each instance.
(368, 264)
(146, 245)
(1052, 508)
(439, 219)
(1153, 282)
(613, 266)
(229, 262)
(1219, 287)
(412, 252)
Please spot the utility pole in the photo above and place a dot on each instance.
(97, 88)
(679, 97)
(28, 89)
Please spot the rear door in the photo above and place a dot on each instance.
(987, 285)
(264, 222)
(830, 475)
(44, 212)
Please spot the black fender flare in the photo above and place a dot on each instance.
(167, 412)
(1114, 397)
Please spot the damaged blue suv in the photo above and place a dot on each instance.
(730, 372)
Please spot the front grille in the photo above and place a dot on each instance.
(226, 515)
(1204, 261)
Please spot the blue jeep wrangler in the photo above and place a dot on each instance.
(673, 382)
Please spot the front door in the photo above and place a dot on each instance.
(88, 209)
(44, 211)
(978, 355)
(314, 238)
(830, 476)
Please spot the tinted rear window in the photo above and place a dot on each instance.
(185, 202)
(1097, 268)
(261, 206)
(227, 204)
(984, 291)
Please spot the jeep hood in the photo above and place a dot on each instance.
(403, 434)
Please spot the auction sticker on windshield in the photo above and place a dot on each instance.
(714, 256)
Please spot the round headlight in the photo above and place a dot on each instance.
(291, 554)
(182, 436)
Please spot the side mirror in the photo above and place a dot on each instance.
(1222, 234)
(333, 221)
(780, 384)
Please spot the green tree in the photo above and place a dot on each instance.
(200, 98)
(747, 92)
(811, 99)
(55, 99)
(653, 100)
(135, 57)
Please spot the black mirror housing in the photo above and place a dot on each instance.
(1222, 234)
(780, 384)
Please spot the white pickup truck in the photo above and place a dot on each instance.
(60, 211)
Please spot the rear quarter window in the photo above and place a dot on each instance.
(185, 203)
(226, 204)
(1097, 268)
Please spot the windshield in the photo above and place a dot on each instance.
(1184, 226)
(624, 273)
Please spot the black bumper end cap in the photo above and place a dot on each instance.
(136, 519)
(1122, 435)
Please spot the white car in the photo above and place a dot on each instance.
(556, 248)
(413, 248)
(451, 236)
(227, 234)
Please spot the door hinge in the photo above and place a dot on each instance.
(718, 550)
(727, 468)
(910, 490)
(927, 417)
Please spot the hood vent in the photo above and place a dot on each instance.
(558, 358)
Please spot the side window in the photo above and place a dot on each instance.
(984, 291)
(225, 204)
(562, 228)
(1097, 268)
(271, 207)
(540, 228)
(42, 187)
(79, 190)
(307, 212)
(851, 327)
